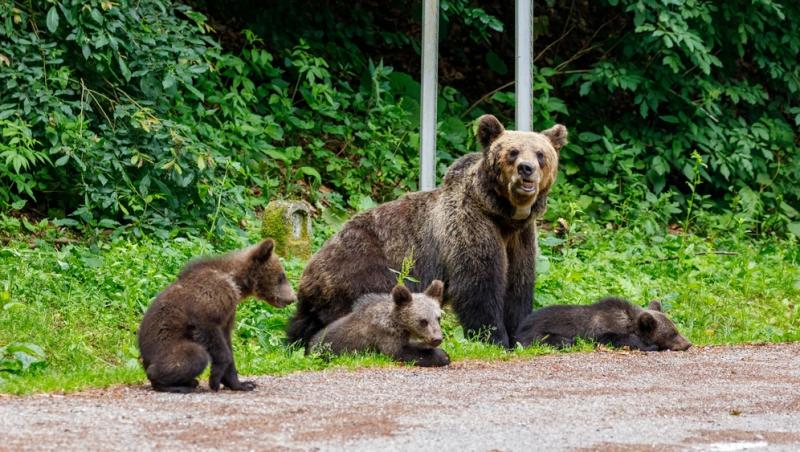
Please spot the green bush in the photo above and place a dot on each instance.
(133, 116)
(130, 116)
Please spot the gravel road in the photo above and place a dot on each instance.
(710, 398)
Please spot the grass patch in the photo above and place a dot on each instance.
(82, 304)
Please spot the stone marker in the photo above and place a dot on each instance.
(289, 224)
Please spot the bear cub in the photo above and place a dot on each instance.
(611, 321)
(402, 325)
(190, 322)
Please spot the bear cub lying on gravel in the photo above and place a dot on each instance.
(611, 321)
(402, 325)
(190, 322)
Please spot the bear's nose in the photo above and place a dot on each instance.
(525, 169)
(435, 342)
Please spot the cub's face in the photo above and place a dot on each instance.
(269, 278)
(655, 328)
(420, 313)
(524, 164)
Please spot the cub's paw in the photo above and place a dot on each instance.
(214, 384)
(243, 386)
(433, 358)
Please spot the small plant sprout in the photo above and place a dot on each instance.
(404, 274)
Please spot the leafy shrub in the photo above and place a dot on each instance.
(132, 116)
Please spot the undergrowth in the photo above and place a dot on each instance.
(81, 303)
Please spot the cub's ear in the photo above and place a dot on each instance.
(263, 251)
(489, 128)
(646, 323)
(557, 136)
(435, 290)
(655, 305)
(401, 295)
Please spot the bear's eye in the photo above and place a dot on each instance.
(540, 158)
(423, 323)
(282, 278)
(513, 153)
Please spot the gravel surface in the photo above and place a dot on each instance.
(710, 398)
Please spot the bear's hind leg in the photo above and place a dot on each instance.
(177, 370)
(231, 378)
(557, 340)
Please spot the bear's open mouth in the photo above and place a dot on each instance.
(528, 187)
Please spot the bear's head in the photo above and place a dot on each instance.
(655, 329)
(420, 313)
(524, 164)
(265, 275)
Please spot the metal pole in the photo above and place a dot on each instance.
(427, 123)
(524, 64)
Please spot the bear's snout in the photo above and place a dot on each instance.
(435, 342)
(681, 345)
(525, 169)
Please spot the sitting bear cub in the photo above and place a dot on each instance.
(402, 325)
(609, 321)
(190, 322)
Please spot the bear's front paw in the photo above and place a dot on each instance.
(214, 384)
(433, 358)
(243, 386)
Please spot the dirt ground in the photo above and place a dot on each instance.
(711, 398)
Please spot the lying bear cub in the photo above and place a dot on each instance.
(611, 321)
(190, 322)
(402, 325)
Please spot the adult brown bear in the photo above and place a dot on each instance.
(477, 233)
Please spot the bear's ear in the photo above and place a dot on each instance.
(435, 290)
(401, 295)
(655, 305)
(489, 128)
(263, 251)
(557, 136)
(646, 323)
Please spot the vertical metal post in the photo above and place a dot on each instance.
(524, 64)
(429, 92)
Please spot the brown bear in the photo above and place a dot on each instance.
(611, 321)
(477, 233)
(402, 325)
(190, 322)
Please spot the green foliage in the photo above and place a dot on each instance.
(128, 115)
(719, 77)
(133, 116)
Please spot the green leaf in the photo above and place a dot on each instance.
(589, 137)
(309, 171)
(276, 154)
(124, 69)
(496, 63)
(794, 228)
(52, 19)
(62, 160)
(96, 16)
(169, 81)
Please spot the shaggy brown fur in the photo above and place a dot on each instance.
(477, 233)
(190, 322)
(401, 325)
(610, 321)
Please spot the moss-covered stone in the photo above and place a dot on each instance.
(289, 224)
